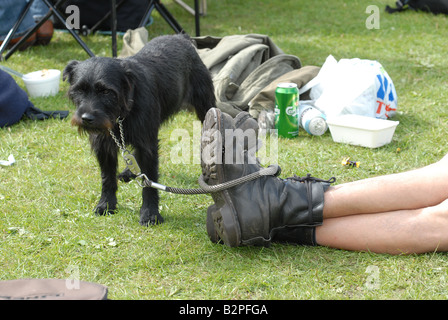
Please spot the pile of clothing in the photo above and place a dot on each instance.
(245, 69)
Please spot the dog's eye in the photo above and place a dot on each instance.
(100, 89)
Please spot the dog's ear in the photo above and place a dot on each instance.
(128, 85)
(69, 70)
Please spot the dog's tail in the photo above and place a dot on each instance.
(186, 36)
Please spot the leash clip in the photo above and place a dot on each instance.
(145, 182)
(131, 162)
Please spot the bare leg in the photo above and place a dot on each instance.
(427, 186)
(399, 213)
(395, 232)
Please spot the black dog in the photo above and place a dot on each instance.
(143, 90)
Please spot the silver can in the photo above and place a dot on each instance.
(313, 120)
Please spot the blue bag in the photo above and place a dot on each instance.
(14, 104)
(13, 100)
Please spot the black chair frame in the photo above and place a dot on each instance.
(152, 4)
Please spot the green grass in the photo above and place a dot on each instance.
(48, 230)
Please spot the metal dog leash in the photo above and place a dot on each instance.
(144, 181)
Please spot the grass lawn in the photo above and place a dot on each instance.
(48, 230)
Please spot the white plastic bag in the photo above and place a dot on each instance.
(353, 86)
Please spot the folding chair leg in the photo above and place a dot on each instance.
(196, 17)
(52, 10)
(114, 27)
(168, 17)
(156, 4)
(14, 29)
(27, 35)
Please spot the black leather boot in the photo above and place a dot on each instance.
(260, 211)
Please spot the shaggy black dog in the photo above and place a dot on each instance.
(143, 90)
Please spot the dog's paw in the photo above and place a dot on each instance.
(150, 217)
(126, 175)
(104, 208)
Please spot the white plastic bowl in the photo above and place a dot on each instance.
(42, 83)
(362, 131)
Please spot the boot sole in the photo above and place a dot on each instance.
(222, 227)
(222, 222)
(211, 230)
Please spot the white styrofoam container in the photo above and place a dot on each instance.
(361, 130)
(42, 83)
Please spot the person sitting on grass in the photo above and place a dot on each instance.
(402, 213)
(11, 11)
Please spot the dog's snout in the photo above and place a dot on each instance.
(87, 118)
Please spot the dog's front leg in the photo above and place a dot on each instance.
(106, 153)
(149, 212)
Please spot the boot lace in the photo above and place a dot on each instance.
(308, 178)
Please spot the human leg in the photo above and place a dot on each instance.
(411, 202)
(419, 188)
(395, 232)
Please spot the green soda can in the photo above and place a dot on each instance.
(286, 110)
